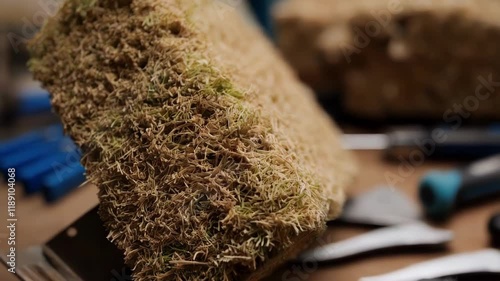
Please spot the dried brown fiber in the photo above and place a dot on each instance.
(212, 161)
(397, 59)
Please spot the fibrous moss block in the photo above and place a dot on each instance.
(212, 161)
(394, 59)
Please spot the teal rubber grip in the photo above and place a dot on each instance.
(442, 191)
(439, 192)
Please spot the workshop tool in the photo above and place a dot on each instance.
(22, 142)
(46, 161)
(381, 206)
(464, 143)
(32, 101)
(80, 252)
(29, 102)
(19, 158)
(416, 234)
(485, 263)
(494, 230)
(59, 183)
(442, 191)
(32, 175)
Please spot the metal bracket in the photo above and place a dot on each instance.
(80, 252)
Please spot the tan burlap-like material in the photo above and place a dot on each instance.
(397, 58)
(212, 161)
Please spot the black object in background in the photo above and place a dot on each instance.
(468, 143)
(88, 253)
(262, 12)
(494, 229)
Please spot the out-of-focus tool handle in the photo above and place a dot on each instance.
(441, 191)
(22, 142)
(464, 143)
(33, 102)
(59, 183)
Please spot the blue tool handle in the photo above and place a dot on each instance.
(33, 102)
(22, 142)
(60, 182)
(441, 191)
(262, 11)
(17, 159)
(32, 175)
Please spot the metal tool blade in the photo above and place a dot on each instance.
(81, 252)
(365, 141)
(485, 261)
(413, 234)
(382, 206)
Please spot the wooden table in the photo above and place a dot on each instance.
(469, 225)
(38, 222)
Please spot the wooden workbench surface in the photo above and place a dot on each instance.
(37, 222)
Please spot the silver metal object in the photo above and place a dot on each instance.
(382, 206)
(413, 234)
(365, 141)
(485, 261)
(35, 266)
(81, 252)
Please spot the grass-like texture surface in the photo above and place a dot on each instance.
(213, 162)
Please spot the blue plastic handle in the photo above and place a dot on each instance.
(33, 102)
(17, 159)
(59, 183)
(32, 175)
(22, 142)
